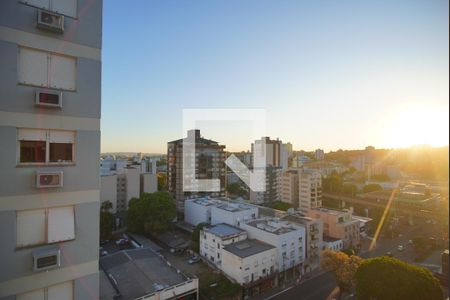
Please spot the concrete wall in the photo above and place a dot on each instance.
(149, 183)
(219, 215)
(195, 214)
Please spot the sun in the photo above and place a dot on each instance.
(416, 125)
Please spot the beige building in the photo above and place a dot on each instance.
(288, 187)
(339, 224)
(310, 190)
(249, 261)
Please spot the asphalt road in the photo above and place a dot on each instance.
(317, 288)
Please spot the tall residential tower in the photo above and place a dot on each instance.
(50, 75)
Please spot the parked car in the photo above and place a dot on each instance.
(389, 254)
(123, 242)
(400, 248)
(194, 259)
(410, 242)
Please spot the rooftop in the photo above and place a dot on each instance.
(224, 230)
(247, 248)
(140, 272)
(273, 225)
(329, 239)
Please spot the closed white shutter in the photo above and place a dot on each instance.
(61, 224)
(31, 134)
(62, 291)
(33, 295)
(58, 136)
(62, 72)
(30, 227)
(38, 3)
(32, 67)
(65, 7)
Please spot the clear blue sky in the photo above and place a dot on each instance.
(331, 74)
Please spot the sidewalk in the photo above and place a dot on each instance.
(289, 285)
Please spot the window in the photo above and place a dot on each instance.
(59, 291)
(43, 226)
(46, 146)
(65, 7)
(45, 69)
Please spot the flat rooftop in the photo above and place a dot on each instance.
(140, 272)
(273, 226)
(248, 248)
(224, 230)
(330, 239)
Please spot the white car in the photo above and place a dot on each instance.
(400, 248)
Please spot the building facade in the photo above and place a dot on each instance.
(310, 190)
(50, 82)
(288, 187)
(209, 164)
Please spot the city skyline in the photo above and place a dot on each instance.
(341, 75)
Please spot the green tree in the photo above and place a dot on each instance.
(342, 266)
(386, 278)
(106, 220)
(349, 189)
(196, 235)
(281, 205)
(162, 181)
(152, 213)
(332, 183)
(236, 189)
(372, 187)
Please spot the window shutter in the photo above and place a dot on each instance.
(57, 136)
(62, 72)
(60, 291)
(32, 67)
(61, 224)
(65, 7)
(33, 295)
(31, 134)
(30, 227)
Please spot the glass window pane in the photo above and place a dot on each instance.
(61, 152)
(32, 151)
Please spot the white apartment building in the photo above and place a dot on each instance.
(332, 244)
(249, 261)
(319, 154)
(215, 211)
(314, 238)
(215, 237)
(339, 224)
(310, 190)
(287, 237)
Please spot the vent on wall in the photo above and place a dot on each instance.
(48, 98)
(49, 179)
(46, 259)
(50, 21)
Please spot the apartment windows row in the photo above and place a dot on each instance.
(45, 69)
(45, 146)
(45, 226)
(55, 292)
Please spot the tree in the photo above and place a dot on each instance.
(349, 189)
(281, 205)
(196, 235)
(384, 278)
(236, 189)
(332, 183)
(372, 187)
(152, 213)
(162, 181)
(106, 220)
(342, 266)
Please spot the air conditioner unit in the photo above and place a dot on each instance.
(50, 21)
(49, 179)
(46, 259)
(48, 98)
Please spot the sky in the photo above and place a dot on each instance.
(329, 74)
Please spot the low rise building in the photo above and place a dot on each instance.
(143, 274)
(313, 244)
(332, 244)
(215, 211)
(214, 238)
(339, 224)
(287, 237)
(250, 262)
